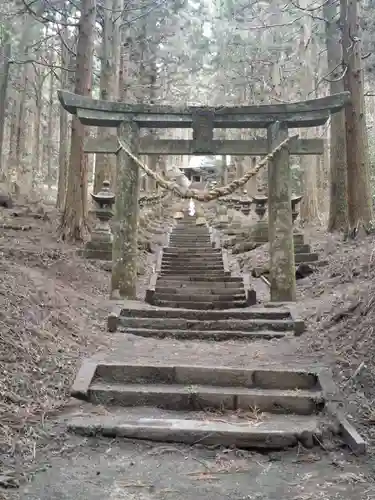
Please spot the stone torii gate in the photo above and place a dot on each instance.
(276, 118)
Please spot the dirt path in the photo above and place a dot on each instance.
(96, 469)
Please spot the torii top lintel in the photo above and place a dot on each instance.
(311, 113)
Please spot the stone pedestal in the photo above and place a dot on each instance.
(100, 245)
(259, 233)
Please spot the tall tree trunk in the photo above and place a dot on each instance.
(359, 192)
(338, 203)
(50, 128)
(105, 165)
(74, 218)
(24, 164)
(6, 50)
(36, 160)
(18, 122)
(309, 205)
(66, 62)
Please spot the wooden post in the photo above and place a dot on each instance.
(280, 226)
(125, 221)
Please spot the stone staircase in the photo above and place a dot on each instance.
(192, 274)
(252, 323)
(255, 408)
(267, 406)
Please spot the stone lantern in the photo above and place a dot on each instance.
(260, 205)
(295, 202)
(259, 231)
(100, 245)
(246, 202)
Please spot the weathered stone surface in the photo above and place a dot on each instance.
(82, 382)
(195, 397)
(218, 336)
(246, 314)
(280, 225)
(215, 303)
(220, 324)
(106, 113)
(306, 257)
(279, 433)
(99, 251)
(125, 221)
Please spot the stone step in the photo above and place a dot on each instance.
(216, 335)
(192, 398)
(170, 323)
(189, 257)
(205, 252)
(196, 270)
(193, 239)
(209, 297)
(250, 313)
(306, 257)
(197, 256)
(181, 228)
(191, 246)
(196, 305)
(197, 286)
(305, 248)
(193, 268)
(193, 256)
(184, 280)
(297, 238)
(172, 403)
(192, 262)
(178, 268)
(197, 245)
(190, 227)
(204, 278)
(217, 257)
(260, 377)
(269, 432)
(190, 232)
(198, 292)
